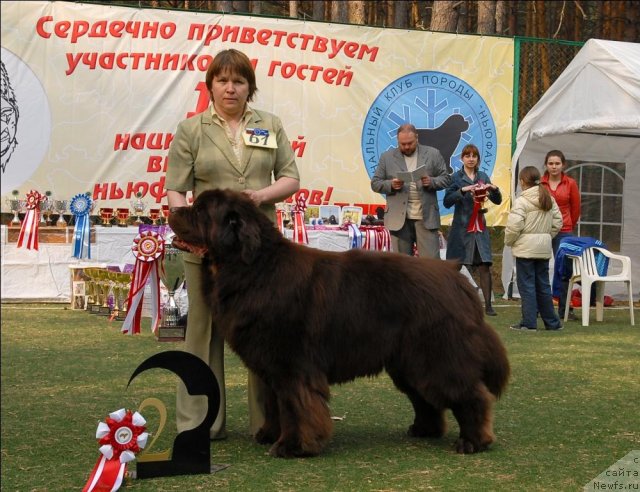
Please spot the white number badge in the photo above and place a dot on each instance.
(259, 137)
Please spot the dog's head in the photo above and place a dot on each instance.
(225, 222)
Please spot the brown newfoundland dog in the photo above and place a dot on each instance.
(303, 319)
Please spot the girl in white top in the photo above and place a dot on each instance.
(533, 221)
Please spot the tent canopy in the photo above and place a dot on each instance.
(591, 113)
(598, 92)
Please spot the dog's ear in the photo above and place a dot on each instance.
(241, 234)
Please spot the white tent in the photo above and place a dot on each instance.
(591, 113)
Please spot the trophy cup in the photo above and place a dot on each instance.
(121, 290)
(138, 208)
(154, 215)
(60, 207)
(172, 275)
(46, 209)
(104, 283)
(106, 213)
(93, 298)
(480, 195)
(111, 283)
(165, 213)
(123, 216)
(15, 205)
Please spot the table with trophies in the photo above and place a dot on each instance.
(43, 274)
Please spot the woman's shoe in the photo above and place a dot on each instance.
(520, 327)
(489, 311)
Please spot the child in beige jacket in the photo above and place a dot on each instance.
(533, 221)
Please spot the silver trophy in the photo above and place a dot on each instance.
(16, 206)
(138, 207)
(60, 207)
(46, 209)
(171, 326)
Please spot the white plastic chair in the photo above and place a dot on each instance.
(585, 271)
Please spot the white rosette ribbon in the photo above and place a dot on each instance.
(121, 437)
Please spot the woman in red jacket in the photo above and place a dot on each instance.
(564, 190)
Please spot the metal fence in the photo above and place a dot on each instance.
(538, 63)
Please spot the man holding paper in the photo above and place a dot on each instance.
(409, 176)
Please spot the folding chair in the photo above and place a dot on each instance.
(585, 271)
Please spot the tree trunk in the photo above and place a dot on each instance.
(293, 9)
(339, 11)
(513, 17)
(356, 12)
(486, 17)
(255, 7)
(605, 20)
(444, 16)
(632, 15)
(502, 18)
(388, 19)
(401, 14)
(242, 6)
(618, 20)
(543, 48)
(224, 6)
(318, 10)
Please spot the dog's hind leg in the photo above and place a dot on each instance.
(429, 421)
(305, 420)
(475, 417)
(270, 431)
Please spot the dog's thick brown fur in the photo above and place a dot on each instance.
(303, 319)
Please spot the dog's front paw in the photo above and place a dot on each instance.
(281, 450)
(264, 436)
(417, 431)
(465, 446)
(287, 450)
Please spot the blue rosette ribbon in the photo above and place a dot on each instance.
(355, 236)
(80, 208)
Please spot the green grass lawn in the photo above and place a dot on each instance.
(572, 409)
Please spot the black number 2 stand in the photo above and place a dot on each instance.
(191, 453)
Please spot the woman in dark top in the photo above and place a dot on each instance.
(469, 241)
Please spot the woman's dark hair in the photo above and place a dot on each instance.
(235, 62)
(554, 153)
(530, 176)
(471, 149)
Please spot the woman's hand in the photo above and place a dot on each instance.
(254, 195)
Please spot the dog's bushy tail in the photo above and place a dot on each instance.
(496, 364)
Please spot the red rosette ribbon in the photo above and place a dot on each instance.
(299, 229)
(121, 437)
(30, 225)
(476, 223)
(376, 238)
(148, 248)
(280, 220)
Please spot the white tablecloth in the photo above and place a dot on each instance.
(44, 275)
(329, 240)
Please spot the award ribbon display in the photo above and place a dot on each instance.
(355, 236)
(280, 220)
(299, 229)
(377, 238)
(30, 225)
(121, 437)
(476, 223)
(80, 208)
(148, 248)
